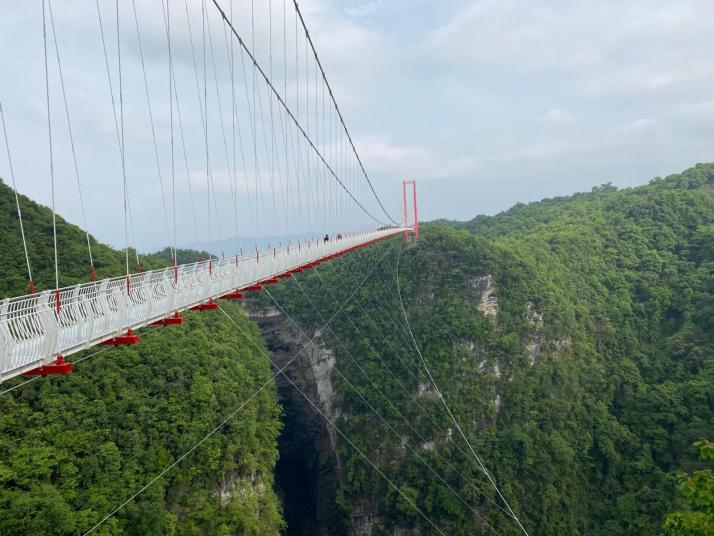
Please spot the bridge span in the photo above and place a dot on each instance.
(38, 331)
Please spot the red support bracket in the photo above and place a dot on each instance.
(60, 366)
(236, 295)
(270, 281)
(175, 320)
(210, 305)
(285, 275)
(122, 340)
(253, 288)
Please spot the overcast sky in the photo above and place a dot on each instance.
(484, 103)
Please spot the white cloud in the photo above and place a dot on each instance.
(411, 161)
(487, 101)
(556, 116)
(365, 9)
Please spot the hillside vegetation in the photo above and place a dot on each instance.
(573, 339)
(73, 448)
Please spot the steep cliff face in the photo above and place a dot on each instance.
(308, 470)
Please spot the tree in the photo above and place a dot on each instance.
(697, 491)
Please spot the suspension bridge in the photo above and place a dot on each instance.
(38, 331)
(308, 163)
(249, 116)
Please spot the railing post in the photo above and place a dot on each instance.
(49, 321)
(4, 340)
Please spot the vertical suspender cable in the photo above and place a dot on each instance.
(31, 284)
(171, 127)
(119, 135)
(193, 58)
(339, 113)
(151, 120)
(230, 51)
(52, 167)
(307, 128)
(298, 160)
(255, 124)
(205, 129)
(254, 137)
(178, 113)
(272, 124)
(92, 271)
(302, 130)
(319, 123)
(233, 129)
(123, 152)
(295, 197)
(230, 170)
(185, 161)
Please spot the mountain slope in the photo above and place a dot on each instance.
(73, 448)
(574, 340)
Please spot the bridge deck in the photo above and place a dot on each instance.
(34, 332)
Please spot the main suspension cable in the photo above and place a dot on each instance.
(339, 113)
(282, 102)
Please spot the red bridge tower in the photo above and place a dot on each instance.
(411, 210)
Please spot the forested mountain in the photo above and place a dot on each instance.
(73, 448)
(573, 339)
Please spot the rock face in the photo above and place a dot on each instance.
(364, 519)
(488, 303)
(307, 473)
(235, 486)
(537, 342)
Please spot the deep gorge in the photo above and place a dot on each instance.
(307, 472)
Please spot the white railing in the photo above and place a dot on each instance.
(33, 332)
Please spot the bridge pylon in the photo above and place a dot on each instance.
(412, 211)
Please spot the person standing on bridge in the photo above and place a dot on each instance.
(327, 238)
